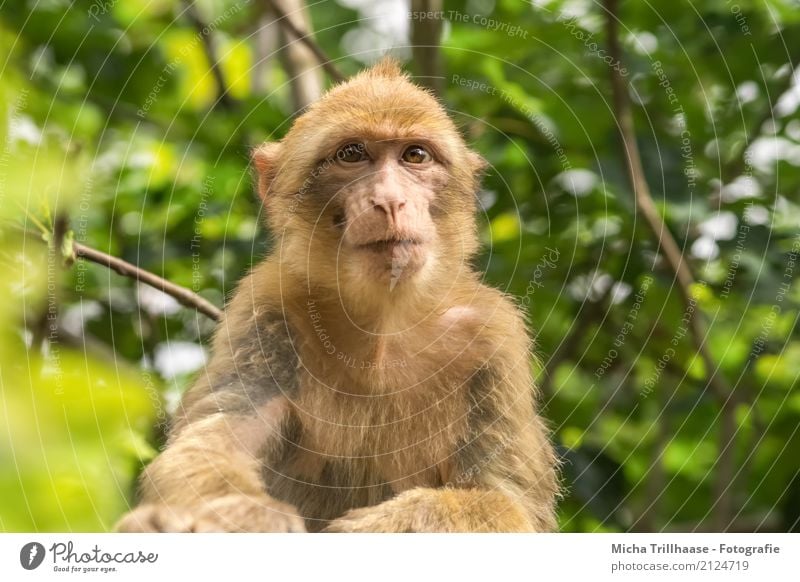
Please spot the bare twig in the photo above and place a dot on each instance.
(300, 62)
(697, 326)
(205, 33)
(426, 33)
(266, 43)
(306, 39)
(182, 295)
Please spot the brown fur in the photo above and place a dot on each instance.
(347, 392)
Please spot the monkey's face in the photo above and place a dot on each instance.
(376, 199)
(373, 184)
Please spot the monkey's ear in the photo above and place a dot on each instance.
(265, 160)
(477, 164)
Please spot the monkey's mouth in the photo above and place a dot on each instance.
(390, 245)
(397, 258)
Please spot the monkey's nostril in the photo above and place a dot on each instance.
(389, 208)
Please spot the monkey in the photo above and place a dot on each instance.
(363, 377)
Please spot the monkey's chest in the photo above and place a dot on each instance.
(404, 438)
(354, 450)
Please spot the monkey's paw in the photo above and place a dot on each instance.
(152, 518)
(231, 513)
(412, 511)
(436, 511)
(252, 513)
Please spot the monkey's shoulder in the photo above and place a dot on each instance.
(489, 315)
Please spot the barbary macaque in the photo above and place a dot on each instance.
(363, 379)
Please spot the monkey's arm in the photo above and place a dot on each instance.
(447, 510)
(502, 475)
(208, 478)
(500, 492)
(232, 420)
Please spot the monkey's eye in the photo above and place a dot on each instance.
(416, 155)
(352, 153)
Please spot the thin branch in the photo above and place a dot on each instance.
(680, 268)
(306, 39)
(426, 34)
(45, 327)
(307, 79)
(204, 32)
(266, 37)
(182, 295)
(645, 204)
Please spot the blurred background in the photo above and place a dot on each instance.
(660, 278)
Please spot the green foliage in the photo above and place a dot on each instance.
(72, 441)
(114, 124)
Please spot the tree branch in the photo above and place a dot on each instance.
(306, 77)
(266, 42)
(680, 268)
(182, 295)
(306, 39)
(210, 49)
(426, 33)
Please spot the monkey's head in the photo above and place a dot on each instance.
(373, 184)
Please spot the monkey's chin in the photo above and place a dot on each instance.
(392, 263)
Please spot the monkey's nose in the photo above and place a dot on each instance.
(391, 208)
